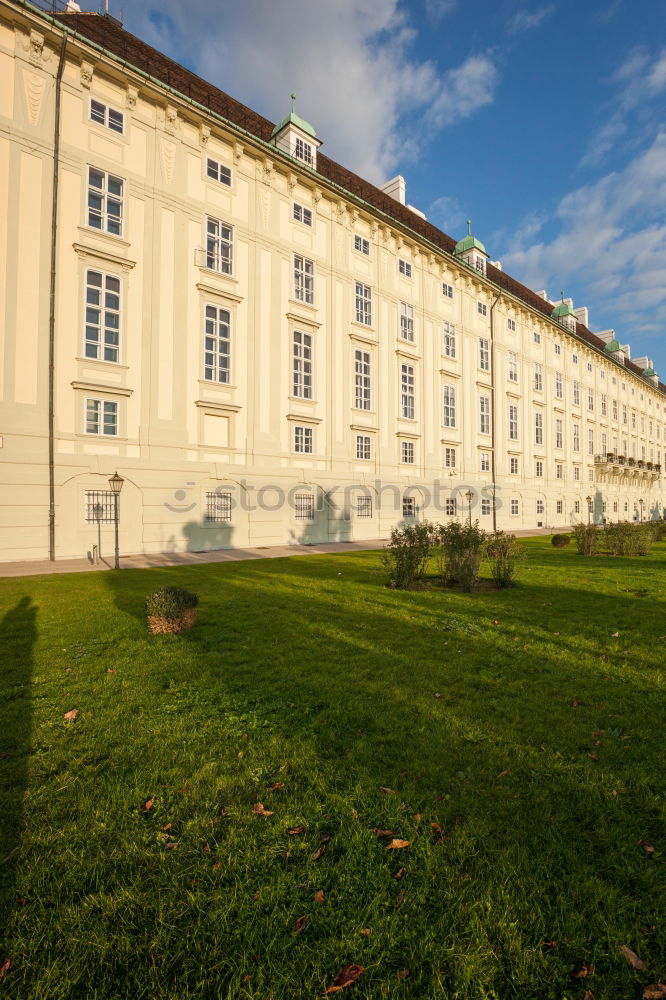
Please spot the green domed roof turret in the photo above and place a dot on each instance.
(613, 346)
(650, 373)
(293, 119)
(469, 242)
(562, 309)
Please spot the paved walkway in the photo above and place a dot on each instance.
(142, 561)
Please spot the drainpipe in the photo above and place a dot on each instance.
(52, 292)
(492, 409)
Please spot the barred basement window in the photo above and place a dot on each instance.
(105, 202)
(363, 447)
(217, 344)
(218, 172)
(106, 116)
(304, 507)
(302, 214)
(364, 506)
(218, 506)
(100, 507)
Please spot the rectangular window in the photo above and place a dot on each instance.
(485, 505)
(574, 358)
(559, 390)
(450, 458)
(559, 506)
(301, 369)
(102, 327)
(302, 214)
(404, 267)
(484, 355)
(484, 415)
(590, 399)
(218, 172)
(363, 447)
(511, 324)
(304, 507)
(364, 506)
(559, 441)
(362, 380)
(106, 116)
(589, 366)
(633, 420)
(105, 201)
(590, 441)
(604, 442)
(514, 507)
(361, 245)
(303, 440)
(100, 507)
(538, 378)
(539, 507)
(101, 417)
(303, 151)
(406, 321)
(481, 308)
(538, 470)
(559, 471)
(604, 404)
(485, 461)
(558, 348)
(450, 506)
(576, 437)
(303, 279)
(218, 506)
(513, 423)
(449, 342)
(513, 465)
(624, 414)
(538, 428)
(407, 452)
(407, 391)
(576, 474)
(448, 406)
(219, 246)
(447, 290)
(363, 304)
(408, 507)
(537, 337)
(217, 344)
(512, 368)
(615, 409)
(576, 506)
(576, 393)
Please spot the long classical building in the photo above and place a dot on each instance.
(263, 345)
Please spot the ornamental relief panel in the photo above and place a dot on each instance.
(33, 85)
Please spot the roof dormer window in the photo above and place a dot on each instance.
(303, 151)
(472, 251)
(297, 138)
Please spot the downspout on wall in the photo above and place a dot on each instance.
(493, 421)
(52, 293)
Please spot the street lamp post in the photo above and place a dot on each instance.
(116, 484)
(641, 503)
(469, 497)
(589, 508)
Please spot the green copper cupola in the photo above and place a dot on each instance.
(296, 137)
(564, 314)
(472, 251)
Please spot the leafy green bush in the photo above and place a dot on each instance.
(626, 539)
(461, 551)
(561, 541)
(587, 539)
(406, 556)
(502, 552)
(170, 602)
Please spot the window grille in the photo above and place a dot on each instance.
(304, 507)
(100, 507)
(218, 506)
(364, 506)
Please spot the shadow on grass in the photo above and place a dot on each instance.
(18, 632)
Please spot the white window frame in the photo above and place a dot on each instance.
(512, 367)
(105, 204)
(450, 458)
(450, 506)
(363, 447)
(538, 378)
(300, 213)
(304, 507)
(486, 508)
(538, 427)
(407, 453)
(448, 406)
(102, 318)
(361, 244)
(407, 322)
(540, 507)
(537, 337)
(302, 366)
(363, 506)
(576, 393)
(515, 508)
(216, 171)
(362, 380)
(303, 439)
(404, 267)
(511, 324)
(484, 415)
(484, 355)
(407, 391)
(513, 465)
(217, 344)
(95, 411)
(447, 290)
(559, 435)
(513, 422)
(484, 461)
(538, 468)
(303, 151)
(303, 279)
(482, 308)
(363, 295)
(409, 507)
(559, 386)
(448, 339)
(106, 116)
(219, 253)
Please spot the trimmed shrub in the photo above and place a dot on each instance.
(461, 552)
(405, 558)
(171, 609)
(587, 539)
(502, 552)
(626, 539)
(561, 541)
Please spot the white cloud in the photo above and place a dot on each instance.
(447, 213)
(526, 20)
(611, 239)
(352, 64)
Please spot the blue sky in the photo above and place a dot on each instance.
(543, 122)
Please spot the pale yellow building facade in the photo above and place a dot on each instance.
(263, 353)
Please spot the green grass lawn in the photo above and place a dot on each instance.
(514, 720)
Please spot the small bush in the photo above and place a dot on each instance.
(625, 539)
(587, 539)
(561, 541)
(461, 551)
(502, 552)
(406, 556)
(170, 602)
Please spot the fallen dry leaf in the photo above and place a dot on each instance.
(437, 828)
(301, 922)
(4, 968)
(71, 715)
(400, 872)
(397, 843)
(110, 670)
(655, 991)
(588, 995)
(549, 945)
(206, 848)
(403, 973)
(354, 814)
(246, 979)
(296, 830)
(632, 958)
(593, 754)
(400, 898)
(585, 970)
(147, 805)
(575, 703)
(381, 833)
(244, 736)
(615, 635)
(324, 838)
(417, 817)
(167, 827)
(170, 844)
(319, 852)
(350, 974)
(276, 785)
(646, 847)
(217, 866)
(402, 807)
(256, 895)
(386, 791)
(503, 774)
(365, 932)
(319, 896)
(260, 810)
